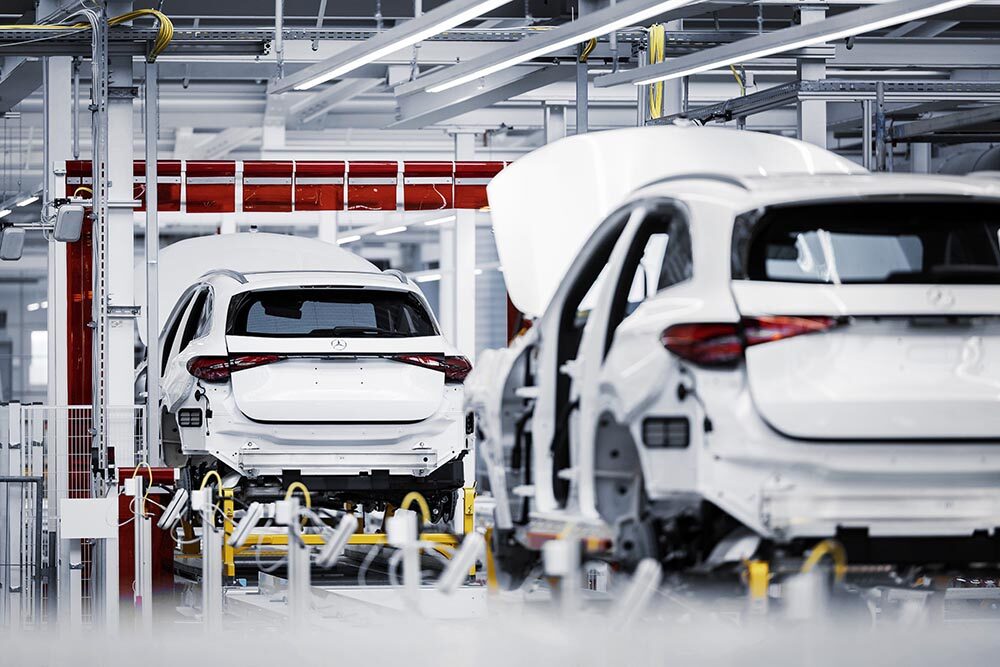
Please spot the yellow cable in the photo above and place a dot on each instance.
(77, 191)
(301, 487)
(211, 473)
(837, 554)
(657, 46)
(588, 49)
(145, 496)
(739, 80)
(414, 497)
(163, 37)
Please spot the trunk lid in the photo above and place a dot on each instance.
(337, 380)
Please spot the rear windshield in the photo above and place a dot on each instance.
(329, 312)
(871, 242)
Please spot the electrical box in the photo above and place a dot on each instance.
(88, 518)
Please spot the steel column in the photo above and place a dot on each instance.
(152, 238)
(812, 113)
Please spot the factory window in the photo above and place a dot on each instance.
(329, 312)
(926, 242)
(38, 365)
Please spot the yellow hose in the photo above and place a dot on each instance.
(163, 37)
(739, 80)
(837, 554)
(299, 486)
(588, 49)
(657, 45)
(414, 497)
(211, 473)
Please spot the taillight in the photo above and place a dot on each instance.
(722, 344)
(218, 369)
(757, 330)
(455, 369)
(714, 344)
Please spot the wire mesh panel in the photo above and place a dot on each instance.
(46, 454)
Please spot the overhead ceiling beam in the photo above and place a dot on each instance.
(781, 41)
(223, 143)
(421, 109)
(440, 19)
(21, 77)
(594, 24)
(314, 105)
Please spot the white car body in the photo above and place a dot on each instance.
(886, 424)
(330, 407)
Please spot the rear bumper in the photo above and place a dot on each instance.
(256, 449)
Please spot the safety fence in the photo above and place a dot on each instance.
(46, 454)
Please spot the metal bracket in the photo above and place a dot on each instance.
(123, 311)
(122, 92)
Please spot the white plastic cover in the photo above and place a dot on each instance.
(182, 263)
(546, 204)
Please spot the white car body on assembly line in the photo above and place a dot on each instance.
(286, 358)
(738, 336)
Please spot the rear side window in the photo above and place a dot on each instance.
(871, 242)
(327, 312)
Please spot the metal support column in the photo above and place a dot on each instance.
(920, 158)
(58, 144)
(299, 573)
(152, 268)
(867, 122)
(812, 113)
(880, 134)
(464, 263)
(673, 90)
(555, 122)
(582, 117)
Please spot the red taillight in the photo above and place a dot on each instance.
(722, 344)
(455, 369)
(757, 330)
(218, 369)
(209, 369)
(715, 344)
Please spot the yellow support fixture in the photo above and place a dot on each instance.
(228, 554)
(359, 539)
(758, 580)
(469, 506)
(491, 568)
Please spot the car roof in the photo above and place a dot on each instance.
(767, 190)
(274, 279)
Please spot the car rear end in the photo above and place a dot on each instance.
(341, 378)
(859, 391)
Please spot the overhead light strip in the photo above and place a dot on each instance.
(830, 29)
(589, 26)
(438, 20)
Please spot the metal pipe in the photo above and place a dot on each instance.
(582, 119)
(45, 138)
(279, 36)
(37, 583)
(152, 259)
(880, 126)
(76, 108)
(866, 134)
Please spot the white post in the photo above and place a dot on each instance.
(463, 262)
(152, 238)
(812, 113)
(211, 562)
(326, 226)
(299, 574)
(143, 557)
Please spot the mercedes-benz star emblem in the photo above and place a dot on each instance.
(339, 344)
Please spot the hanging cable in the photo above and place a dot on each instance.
(588, 48)
(739, 80)
(165, 31)
(657, 44)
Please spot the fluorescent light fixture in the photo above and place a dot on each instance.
(439, 221)
(438, 20)
(391, 230)
(831, 29)
(34, 306)
(428, 278)
(348, 239)
(29, 200)
(45, 304)
(5, 212)
(588, 26)
(478, 272)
